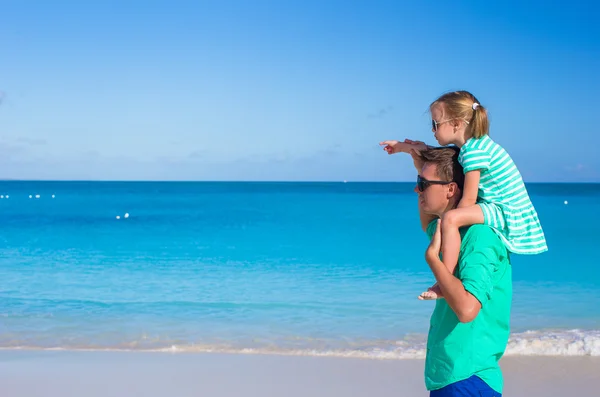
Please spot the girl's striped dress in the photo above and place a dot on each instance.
(503, 197)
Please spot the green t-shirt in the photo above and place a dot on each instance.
(455, 350)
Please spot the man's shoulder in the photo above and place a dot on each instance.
(473, 237)
(480, 231)
(481, 236)
(473, 232)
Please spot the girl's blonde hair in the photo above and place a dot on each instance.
(463, 105)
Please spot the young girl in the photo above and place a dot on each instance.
(494, 193)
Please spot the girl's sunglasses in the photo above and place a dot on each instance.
(423, 183)
(434, 124)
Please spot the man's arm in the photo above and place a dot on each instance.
(462, 302)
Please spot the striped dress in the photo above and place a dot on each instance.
(503, 197)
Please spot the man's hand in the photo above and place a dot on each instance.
(463, 303)
(433, 251)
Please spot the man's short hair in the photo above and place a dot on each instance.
(447, 166)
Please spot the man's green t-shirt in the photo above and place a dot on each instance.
(455, 350)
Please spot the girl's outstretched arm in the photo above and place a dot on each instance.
(392, 147)
(469, 194)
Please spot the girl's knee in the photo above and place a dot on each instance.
(450, 219)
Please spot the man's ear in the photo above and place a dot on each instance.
(453, 190)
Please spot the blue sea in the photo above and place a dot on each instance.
(286, 268)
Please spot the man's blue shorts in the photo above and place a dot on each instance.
(471, 387)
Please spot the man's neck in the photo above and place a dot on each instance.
(452, 204)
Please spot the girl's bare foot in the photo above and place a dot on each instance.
(432, 293)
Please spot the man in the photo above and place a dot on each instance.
(469, 328)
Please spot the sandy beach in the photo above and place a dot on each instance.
(62, 373)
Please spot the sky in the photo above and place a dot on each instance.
(288, 90)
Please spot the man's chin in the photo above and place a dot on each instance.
(425, 208)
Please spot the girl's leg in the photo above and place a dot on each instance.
(451, 222)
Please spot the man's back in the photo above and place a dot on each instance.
(455, 350)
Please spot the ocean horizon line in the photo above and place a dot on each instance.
(262, 181)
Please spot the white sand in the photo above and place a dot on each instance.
(94, 374)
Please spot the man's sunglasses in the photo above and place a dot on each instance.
(423, 183)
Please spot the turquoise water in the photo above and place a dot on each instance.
(299, 268)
